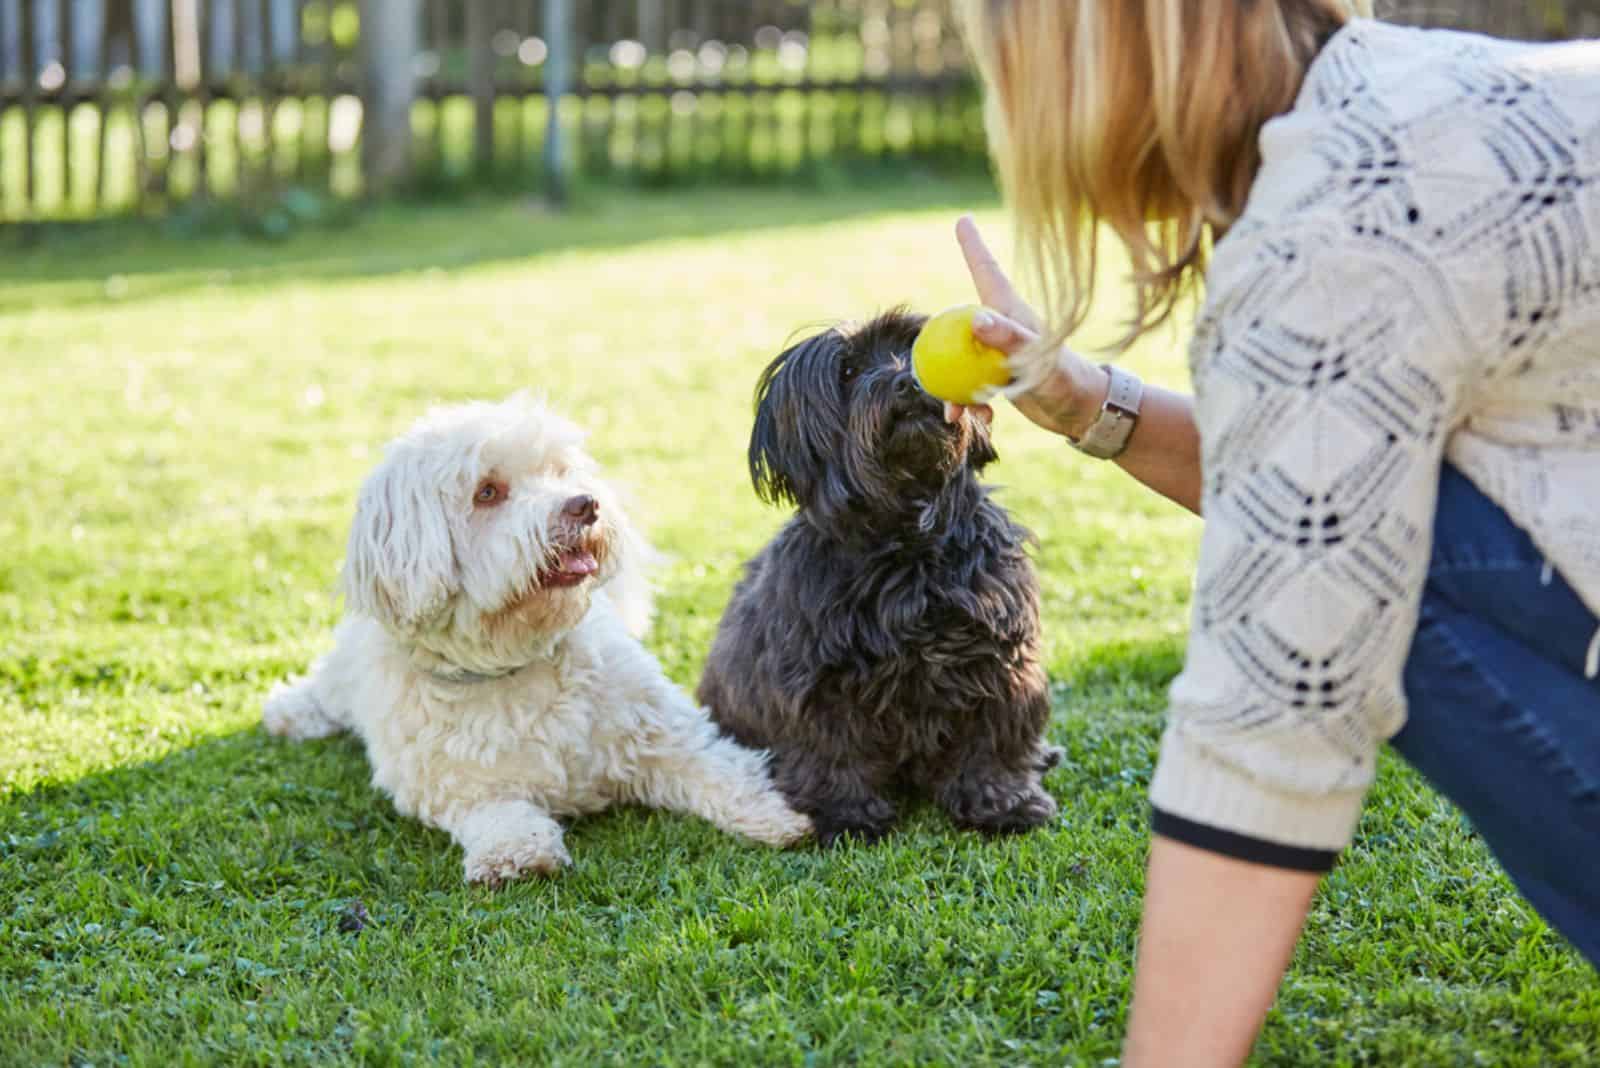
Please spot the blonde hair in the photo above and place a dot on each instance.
(1142, 115)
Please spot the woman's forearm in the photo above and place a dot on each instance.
(1217, 936)
(1164, 451)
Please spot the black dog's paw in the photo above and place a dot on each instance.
(996, 809)
(1033, 809)
(863, 821)
(1049, 758)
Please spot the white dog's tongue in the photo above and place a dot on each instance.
(578, 562)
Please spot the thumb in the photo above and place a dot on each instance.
(999, 332)
(954, 412)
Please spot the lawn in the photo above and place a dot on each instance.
(185, 423)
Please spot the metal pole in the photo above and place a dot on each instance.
(557, 85)
(390, 35)
(480, 82)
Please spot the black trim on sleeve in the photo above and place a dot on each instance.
(1241, 846)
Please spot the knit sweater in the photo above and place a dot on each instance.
(1416, 277)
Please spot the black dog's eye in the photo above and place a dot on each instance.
(848, 370)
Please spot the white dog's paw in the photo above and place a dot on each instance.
(774, 823)
(292, 711)
(505, 861)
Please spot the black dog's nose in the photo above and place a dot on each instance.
(583, 508)
(908, 398)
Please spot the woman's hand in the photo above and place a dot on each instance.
(1068, 390)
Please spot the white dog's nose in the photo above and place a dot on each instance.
(583, 509)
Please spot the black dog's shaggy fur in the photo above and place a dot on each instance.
(887, 638)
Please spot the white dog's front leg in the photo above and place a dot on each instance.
(691, 768)
(293, 710)
(505, 840)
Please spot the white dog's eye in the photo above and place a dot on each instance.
(489, 493)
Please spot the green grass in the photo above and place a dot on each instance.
(185, 426)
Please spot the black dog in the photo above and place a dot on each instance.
(888, 637)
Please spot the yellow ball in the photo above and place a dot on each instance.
(953, 365)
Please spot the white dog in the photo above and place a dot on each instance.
(489, 656)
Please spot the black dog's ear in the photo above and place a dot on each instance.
(980, 449)
(797, 417)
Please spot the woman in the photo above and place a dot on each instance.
(1395, 436)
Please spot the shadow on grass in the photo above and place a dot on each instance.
(142, 260)
(253, 811)
(237, 820)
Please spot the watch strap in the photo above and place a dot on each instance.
(1107, 437)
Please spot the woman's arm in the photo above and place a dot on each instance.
(1164, 451)
(1217, 936)
(1217, 932)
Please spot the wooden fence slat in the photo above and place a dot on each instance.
(104, 112)
(303, 86)
(512, 15)
(236, 74)
(202, 94)
(30, 81)
(330, 78)
(141, 154)
(170, 99)
(271, 87)
(64, 27)
(186, 125)
(7, 32)
(439, 23)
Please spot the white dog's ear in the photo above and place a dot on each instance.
(399, 567)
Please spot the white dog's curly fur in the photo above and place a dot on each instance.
(489, 657)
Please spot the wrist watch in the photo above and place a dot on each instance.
(1108, 435)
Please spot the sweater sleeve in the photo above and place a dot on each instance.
(1327, 368)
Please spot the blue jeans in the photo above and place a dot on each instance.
(1502, 719)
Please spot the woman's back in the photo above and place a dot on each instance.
(1416, 276)
(1469, 169)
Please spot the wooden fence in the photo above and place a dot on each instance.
(183, 100)
(1532, 20)
(110, 106)
(172, 100)
(668, 91)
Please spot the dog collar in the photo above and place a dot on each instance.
(462, 675)
(444, 671)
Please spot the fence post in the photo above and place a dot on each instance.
(30, 82)
(557, 84)
(480, 81)
(389, 43)
(653, 25)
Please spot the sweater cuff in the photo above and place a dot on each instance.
(1206, 803)
(1240, 846)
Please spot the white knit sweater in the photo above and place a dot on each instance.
(1416, 276)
